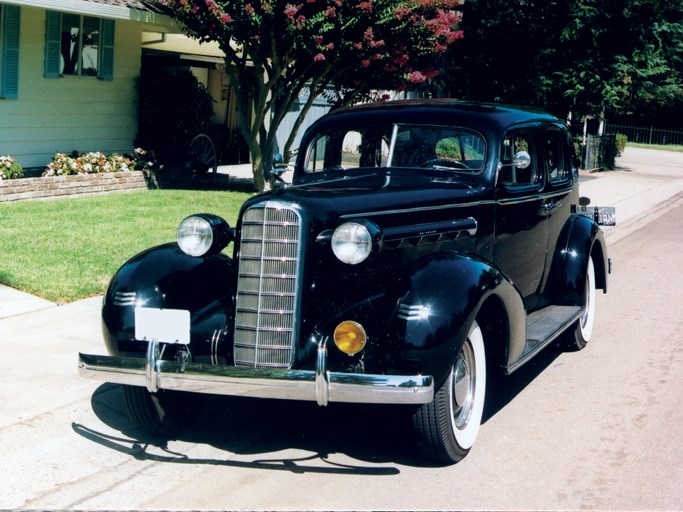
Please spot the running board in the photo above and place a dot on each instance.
(543, 327)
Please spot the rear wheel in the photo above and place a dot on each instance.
(447, 427)
(164, 413)
(580, 333)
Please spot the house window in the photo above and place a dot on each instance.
(78, 46)
(9, 51)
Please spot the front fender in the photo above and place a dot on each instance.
(445, 294)
(165, 277)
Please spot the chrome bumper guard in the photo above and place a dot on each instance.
(320, 385)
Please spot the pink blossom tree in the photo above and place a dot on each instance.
(276, 48)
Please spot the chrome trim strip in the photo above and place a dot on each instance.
(414, 312)
(152, 363)
(124, 298)
(417, 209)
(512, 200)
(262, 382)
(322, 376)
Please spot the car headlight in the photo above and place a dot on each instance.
(203, 234)
(352, 242)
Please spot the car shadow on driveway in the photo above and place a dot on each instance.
(260, 427)
(377, 436)
(502, 389)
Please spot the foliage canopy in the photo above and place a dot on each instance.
(581, 56)
(276, 48)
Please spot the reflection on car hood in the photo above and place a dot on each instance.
(349, 192)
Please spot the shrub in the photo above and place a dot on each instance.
(9, 168)
(89, 163)
(621, 143)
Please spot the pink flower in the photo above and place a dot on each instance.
(365, 63)
(291, 11)
(225, 18)
(365, 6)
(416, 77)
(319, 58)
(249, 9)
(318, 39)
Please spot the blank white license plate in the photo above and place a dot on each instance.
(162, 325)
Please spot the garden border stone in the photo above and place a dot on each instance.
(54, 187)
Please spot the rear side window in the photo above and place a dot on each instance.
(554, 157)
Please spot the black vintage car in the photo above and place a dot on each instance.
(421, 246)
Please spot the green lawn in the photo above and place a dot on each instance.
(68, 249)
(670, 147)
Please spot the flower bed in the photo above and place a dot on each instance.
(60, 186)
(96, 173)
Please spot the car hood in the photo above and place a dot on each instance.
(371, 192)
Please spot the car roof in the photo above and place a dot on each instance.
(478, 116)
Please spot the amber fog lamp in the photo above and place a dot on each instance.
(350, 337)
(203, 235)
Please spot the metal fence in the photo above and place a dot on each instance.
(646, 135)
(596, 152)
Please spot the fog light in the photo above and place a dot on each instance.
(350, 337)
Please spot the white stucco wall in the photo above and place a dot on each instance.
(70, 113)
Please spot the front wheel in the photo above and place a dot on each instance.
(580, 333)
(447, 427)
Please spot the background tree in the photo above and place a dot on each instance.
(581, 56)
(275, 48)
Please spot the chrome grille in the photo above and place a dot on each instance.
(265, 318)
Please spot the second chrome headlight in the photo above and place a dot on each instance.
(352, 242)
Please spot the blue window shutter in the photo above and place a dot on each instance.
(9, 88)
(53, 35)
(106, 56)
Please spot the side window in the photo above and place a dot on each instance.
(554, 157)
(512, 175)
(78, 45)
(9, 51)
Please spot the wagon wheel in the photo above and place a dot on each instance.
(203, 154)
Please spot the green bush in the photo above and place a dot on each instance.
(621, 143)
(9, 168)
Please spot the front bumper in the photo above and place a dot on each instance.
(320, 385)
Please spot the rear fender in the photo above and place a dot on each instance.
(581, 238)
(446, 293)
(165, 277)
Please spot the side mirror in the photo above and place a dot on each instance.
(584, 201)
(521, 160)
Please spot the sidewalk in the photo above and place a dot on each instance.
(645, 185)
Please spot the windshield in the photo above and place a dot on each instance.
(409, 146)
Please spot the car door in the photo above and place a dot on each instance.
(556, 157)
(521, 227)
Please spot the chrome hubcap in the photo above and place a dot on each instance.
(463, 378)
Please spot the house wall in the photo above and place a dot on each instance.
(70, 113)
